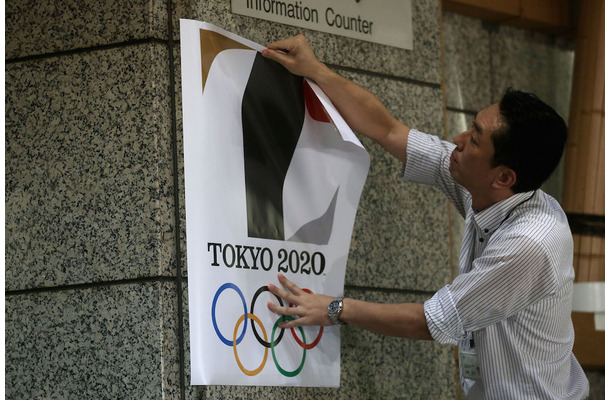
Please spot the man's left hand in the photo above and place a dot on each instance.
(308, 309)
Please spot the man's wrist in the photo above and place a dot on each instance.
(322, 75)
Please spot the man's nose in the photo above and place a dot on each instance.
(459, 140)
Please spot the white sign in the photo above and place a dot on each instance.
(381, 21)
(273, 177)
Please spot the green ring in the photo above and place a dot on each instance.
(277, 365)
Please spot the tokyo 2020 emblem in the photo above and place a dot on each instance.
(267, 343)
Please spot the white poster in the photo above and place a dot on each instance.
(273, 177)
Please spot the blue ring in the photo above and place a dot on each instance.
(243, 300)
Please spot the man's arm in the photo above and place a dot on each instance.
(367, 115)
(401, 320)
(361, 109)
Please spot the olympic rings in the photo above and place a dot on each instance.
(277, 365)
(273, 341)
(243, 300)
(261, 341)
(260, 368)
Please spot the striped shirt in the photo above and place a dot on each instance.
(511, 301)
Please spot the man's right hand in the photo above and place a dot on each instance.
(296, 55)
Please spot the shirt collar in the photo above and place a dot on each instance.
(492, 217)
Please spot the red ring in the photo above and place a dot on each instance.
(315, 342)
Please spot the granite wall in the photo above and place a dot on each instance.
(96, 276)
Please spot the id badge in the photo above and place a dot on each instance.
(469, 364)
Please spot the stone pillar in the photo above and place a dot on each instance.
(96, 275)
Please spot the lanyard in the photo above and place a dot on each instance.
(514, 208)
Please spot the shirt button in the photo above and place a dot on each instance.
(481, 240)
(486, 230)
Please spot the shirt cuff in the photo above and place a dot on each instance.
(423, 158)
(443, 319)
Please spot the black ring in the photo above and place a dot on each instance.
(260, 340)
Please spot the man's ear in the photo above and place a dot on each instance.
(505, 179)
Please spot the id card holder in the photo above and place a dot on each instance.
(469, 364)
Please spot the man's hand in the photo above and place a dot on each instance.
(296, 56)
(308, 309)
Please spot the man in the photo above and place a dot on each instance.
(509, 309)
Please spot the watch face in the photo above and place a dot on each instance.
(333, 307)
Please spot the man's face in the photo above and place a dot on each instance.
(470, 163)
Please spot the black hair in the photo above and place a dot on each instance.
(531, 139)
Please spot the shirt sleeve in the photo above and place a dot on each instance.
(443, 319)
(511, 275)
(428, 163)
(424, 155)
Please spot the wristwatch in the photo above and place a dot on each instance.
(334, 311)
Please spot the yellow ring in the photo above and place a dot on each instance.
(258, 321)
